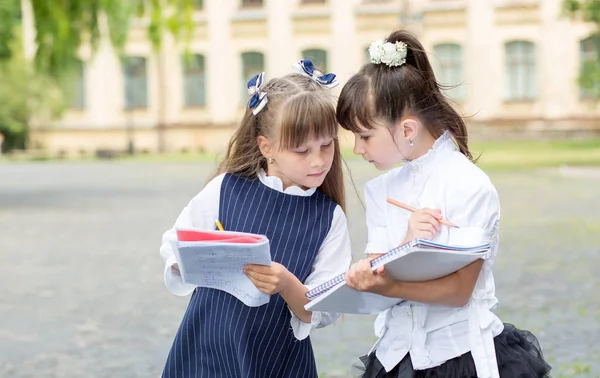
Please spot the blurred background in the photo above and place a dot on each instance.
(113, 115)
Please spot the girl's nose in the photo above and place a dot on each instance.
(358, 148)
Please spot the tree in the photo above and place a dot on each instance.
(589, 11)
(10, 13)
(24, 94)
(62, 26)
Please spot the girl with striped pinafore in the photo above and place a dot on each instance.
(282, 178)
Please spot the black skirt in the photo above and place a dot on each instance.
(517, 351)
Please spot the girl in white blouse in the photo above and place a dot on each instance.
(445, 327)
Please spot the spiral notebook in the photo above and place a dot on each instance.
(419, 260)
(216, 259)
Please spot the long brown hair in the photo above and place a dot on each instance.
(298, 109)
(392, 93)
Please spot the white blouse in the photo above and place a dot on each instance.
(441, 179)
(333, 258)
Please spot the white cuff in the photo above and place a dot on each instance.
(301, 329)
(174, 282)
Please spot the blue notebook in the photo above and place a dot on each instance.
(419, 260)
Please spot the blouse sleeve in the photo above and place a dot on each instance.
(200, 213)
(377, 238)
(333, 258)
(475, 208)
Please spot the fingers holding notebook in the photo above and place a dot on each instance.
(268, 279)
(362, 277)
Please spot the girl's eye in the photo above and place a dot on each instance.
(326, 146)
(302, 152)
(365, 137)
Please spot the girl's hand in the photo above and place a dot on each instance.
(268, 279)
(423, 224)
(360, 277)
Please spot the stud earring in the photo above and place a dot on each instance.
(410, 142)
(270, 160)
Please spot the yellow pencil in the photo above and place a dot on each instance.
(219, 225)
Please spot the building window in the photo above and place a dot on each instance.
(318, 57)
(194, 80)
(589, 80)
(136, 82)
(252, 3)
(520, 83)
(73, 86)
(448, 69)
(253, 63)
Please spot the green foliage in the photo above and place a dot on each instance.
(24, 93)
(589, 78)
(589, 11)
(10, 12)
(62, 26)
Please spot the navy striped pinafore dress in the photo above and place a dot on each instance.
(219, 336)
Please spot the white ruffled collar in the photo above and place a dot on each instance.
(443, 143)
(275, 183)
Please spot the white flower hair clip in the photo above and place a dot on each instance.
(390, 54)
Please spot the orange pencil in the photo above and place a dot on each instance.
(412, 209)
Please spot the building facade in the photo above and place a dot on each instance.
(513, 65)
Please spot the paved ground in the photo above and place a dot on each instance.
(81, 278)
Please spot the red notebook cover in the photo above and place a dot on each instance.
(216, 237)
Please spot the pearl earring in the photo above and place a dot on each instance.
(410, 142)
(270, 160)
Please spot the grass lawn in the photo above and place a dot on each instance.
(492, 155)
(537, 154)
(531, 154)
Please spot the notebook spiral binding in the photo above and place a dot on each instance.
(315, 292)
